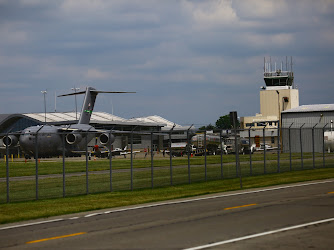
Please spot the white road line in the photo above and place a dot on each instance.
(30, 224)
(184, 201)
(90, 215)
(260, 234)
(74, 218)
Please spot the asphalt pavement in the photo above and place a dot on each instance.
(281, 217)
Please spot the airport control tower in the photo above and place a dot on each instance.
(278, 94)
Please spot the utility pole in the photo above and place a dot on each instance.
(44, 93)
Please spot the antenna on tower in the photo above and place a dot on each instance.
(270, 64)
(276, 77)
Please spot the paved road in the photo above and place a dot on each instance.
(194, 223)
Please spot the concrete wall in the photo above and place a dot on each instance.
(271, 102)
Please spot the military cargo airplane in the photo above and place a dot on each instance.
(47, 140)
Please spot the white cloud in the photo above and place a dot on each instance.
(84, 6)
(215, 13)
(260, 8)
(257, 40)
(95, 74)
(12, 33)
(13, 86)
(33, 2)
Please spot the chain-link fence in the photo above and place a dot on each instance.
(152, 159)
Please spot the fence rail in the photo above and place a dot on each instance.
(261, 152)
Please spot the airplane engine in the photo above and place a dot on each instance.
(106, 139)
(73, 138)
(10, 140)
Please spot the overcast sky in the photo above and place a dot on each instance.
(189, 61)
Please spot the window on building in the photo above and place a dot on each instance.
(261, 124)
(136, 139)
(272, 139)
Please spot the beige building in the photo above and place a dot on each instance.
(278, 95)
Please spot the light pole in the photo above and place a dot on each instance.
(279, 108)
(279, 134)
(44, 93)
(75, 96)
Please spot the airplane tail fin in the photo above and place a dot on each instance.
(89, 102)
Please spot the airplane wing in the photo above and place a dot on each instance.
(95, 91)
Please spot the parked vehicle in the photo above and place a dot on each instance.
(210, 141)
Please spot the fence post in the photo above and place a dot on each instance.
(36, 162)
(7, 167)
(264, 150)
(313, 145)
(170, 155)
(205, 163)
(323, 145)
(188, 153)
(110, 161)
(290, 145)
(131, 170)
(152, 173)
(237, 162)
(301, 146)
(170, 158)
(87, 185)
(64, 189)
(221, 155)
(279, 148)
(250, 151)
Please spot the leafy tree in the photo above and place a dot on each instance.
(224, 122)
(209, 127)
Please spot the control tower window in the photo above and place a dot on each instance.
(278, 81)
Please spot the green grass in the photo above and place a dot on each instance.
(19, 211)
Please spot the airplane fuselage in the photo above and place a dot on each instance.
(50, 142)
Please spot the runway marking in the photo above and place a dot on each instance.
(90, 215)
(248, 205)
(260, 234)
(54, 238)
(185, 201)
(30, 224)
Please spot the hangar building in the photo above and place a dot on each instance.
(307, 124)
